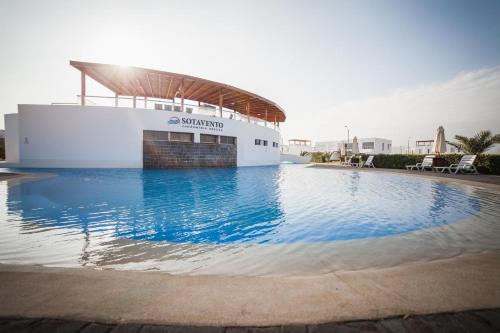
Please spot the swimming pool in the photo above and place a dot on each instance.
(255, 220)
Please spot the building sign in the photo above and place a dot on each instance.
(194, 123)
(173, 121)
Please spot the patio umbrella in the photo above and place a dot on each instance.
(355, 148)
(439, 146)
(342, 150)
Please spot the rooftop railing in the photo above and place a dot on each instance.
(168, 105)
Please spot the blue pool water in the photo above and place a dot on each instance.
(255, 205)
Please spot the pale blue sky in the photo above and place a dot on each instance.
(327, 63)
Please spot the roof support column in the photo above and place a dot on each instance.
(116, 100)
(134, 102)
(83, 89)
(248, 111)
(145, 102)
(265, 119)
(275, 121)
(182, 95)
(220, 103)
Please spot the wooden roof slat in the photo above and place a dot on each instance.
(134, 81)
(169, 86)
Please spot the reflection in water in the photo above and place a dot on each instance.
(354, 182)
(181, 220)
(196, 206)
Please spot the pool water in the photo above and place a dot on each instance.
(195, 212)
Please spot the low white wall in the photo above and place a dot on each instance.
(101, 137)
(11, 138)
(292, 158)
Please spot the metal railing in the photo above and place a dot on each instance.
(169, 105)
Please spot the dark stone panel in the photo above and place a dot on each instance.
(127, 328)
(97, 328)
(168, 154)
(195, 329)
(18, 325)
(57, 326)
(468, 321)
(294, 329)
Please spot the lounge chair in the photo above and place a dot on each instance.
(466, 164)
(347, 161)
(369, 162)
(425, 164)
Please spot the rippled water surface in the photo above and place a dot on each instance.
(187, 220)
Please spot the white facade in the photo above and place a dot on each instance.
(365, 145)
(64, 136)
(297, 146)
(425, 147)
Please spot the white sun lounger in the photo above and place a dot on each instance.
(426, 163)
(347, 162)
(369, 162)
(466, 164)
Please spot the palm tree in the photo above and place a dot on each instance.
(477, 144)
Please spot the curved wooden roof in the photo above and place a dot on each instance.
(134, 81)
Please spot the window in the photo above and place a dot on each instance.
(229, 140)
(383, 145)
(275, 144)
(155, 136)
(368, 145)
(177, 108)
(181, 137)
(208, 138)
(257, 142)
(264, 142)
(424, 143)
(167, 107)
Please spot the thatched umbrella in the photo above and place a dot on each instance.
(355, 147)
(439, 146)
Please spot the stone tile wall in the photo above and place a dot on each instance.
(170, 154)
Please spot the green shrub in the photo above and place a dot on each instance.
(320, 157)
(487, 164)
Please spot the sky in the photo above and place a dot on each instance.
(389, 69)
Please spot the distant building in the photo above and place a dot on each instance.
(297, 146)
(425, 147)
(365, 145)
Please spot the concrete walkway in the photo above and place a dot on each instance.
(458, 284)
(461, 178)
(461, 322)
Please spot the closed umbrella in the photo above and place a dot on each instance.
(439, 146)
(355, 148)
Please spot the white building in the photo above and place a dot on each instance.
(232, 128)
(297, 146)
(425, 147)
(365, 145)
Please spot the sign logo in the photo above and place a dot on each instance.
(174, 120)
(201, 124)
